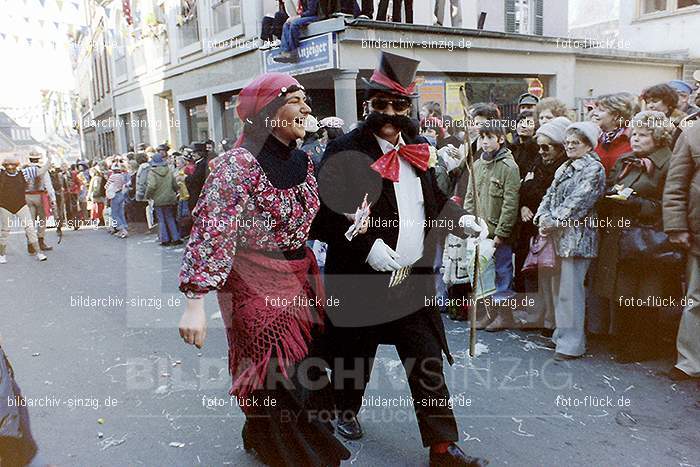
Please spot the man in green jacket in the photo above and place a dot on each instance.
(162, 188)
(497, 187)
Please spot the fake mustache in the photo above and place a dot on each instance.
(375, 121)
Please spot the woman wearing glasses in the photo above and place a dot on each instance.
(567, 214)
(248, 243)
(550, 143)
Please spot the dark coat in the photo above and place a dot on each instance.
(614, 278)
(344, 178)
(525, 154)
(195, 182)
(682, 193)
(532, 189)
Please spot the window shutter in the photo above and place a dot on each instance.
(510, 15)
(539, 17)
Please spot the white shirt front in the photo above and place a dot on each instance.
(409, 199)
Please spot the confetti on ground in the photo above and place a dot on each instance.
(112, 442)
(469, 437)
(176, 444)
(520, 431)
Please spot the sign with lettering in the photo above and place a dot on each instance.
(315, 54)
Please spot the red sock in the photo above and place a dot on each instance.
(440, 448)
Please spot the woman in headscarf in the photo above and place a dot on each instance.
(248, 243)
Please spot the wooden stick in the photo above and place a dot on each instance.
(464, 100)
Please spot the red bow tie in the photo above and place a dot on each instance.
(418, 155)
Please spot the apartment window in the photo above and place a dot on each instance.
(226, 14)
(652, 6)
(524, 16)
(188, 23)
(106, 68)
(688, 3)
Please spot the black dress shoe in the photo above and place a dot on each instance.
(350, 429)
(455, 457)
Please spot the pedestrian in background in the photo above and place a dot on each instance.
(567, 214)
(681, 214)
(96, 194)
(116, 190)
(162, 189)
(497, 182)
(551, 155)
(548, 109)
(617, 277)
(612, 114)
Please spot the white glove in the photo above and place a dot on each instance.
(382, 258)
(473, 228)
(450, 155)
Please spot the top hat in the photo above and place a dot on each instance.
(199, 147)
(395, 75)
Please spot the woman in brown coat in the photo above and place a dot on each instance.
(628, 284)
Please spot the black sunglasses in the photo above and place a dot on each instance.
(380, 103)
(545, 147)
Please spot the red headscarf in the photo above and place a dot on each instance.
(259, 93)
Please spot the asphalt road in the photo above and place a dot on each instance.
(119, 387)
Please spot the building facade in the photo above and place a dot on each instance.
(174, 67)
(659, 26)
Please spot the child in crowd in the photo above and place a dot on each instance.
(497, 179)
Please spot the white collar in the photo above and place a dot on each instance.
(386, 146)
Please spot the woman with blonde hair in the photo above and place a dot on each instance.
(550, 108)
(612, 114)
(643, 171)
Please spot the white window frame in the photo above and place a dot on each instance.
(231, 32)
(530, 17)
(183, 51)
(671, 9)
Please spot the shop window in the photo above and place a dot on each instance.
(232, 125)
(197, 119)
(141, 124)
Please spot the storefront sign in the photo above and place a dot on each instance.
(315, 54)
(432, 91)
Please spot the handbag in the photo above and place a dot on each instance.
(541, 254)
(646, 244)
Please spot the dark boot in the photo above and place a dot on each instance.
(43, 246)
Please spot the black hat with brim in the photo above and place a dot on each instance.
(395, 75)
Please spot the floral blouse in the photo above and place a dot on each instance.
(241, 209)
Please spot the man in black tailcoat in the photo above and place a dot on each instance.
(384, 278)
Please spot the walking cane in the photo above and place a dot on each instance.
(464, 100)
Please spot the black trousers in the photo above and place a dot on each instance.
(421, 355)
(396, 10)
